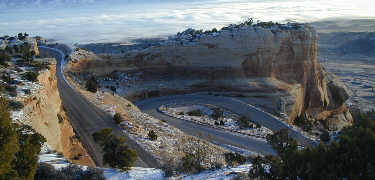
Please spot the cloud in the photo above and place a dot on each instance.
(113, 20)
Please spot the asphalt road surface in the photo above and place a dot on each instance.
(150, 106)
(87, 118)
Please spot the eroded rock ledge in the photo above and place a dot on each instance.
(274, 59)
(48, 117)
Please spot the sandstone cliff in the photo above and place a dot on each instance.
(275, 59)
(47, 116)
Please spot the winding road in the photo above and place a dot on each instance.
(87, 118)
(150, 106)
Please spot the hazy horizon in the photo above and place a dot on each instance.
(85, 21)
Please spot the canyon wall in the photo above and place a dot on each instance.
(278, 59)
(47, 116)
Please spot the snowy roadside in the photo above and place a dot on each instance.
(47, 155)
(229, 121)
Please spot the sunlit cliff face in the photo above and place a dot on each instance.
(86, 21)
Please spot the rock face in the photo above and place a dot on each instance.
(276, 59)
(48, 118)
(34, 45)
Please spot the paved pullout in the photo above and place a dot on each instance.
(87, 118)
(150, 106)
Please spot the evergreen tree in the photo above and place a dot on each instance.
(8, 143)
(117, 118)
(26, 161)
(92, 85)
(351, 157)
(116, 153)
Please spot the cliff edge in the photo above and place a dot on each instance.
(278, 59)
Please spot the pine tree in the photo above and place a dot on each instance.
(92, 85)
(8, 143)
(26, 161)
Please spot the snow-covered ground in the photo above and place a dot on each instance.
(47, 155)
(229, 119)
(220, 174)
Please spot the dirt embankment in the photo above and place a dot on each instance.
(48, 117)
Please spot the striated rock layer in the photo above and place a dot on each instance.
(47, 117)
(247, 59)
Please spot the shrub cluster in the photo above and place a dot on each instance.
(304, 123)
(351, 157)
(92, 84)
(19, 147)
(243, 122)
(234, 158)
(71, 172)
(197, 112)
(116, 153)
(30, 76)
(217, 113)
(117, 118)
(152, 135)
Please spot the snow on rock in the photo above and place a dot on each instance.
(49, 156)
(135, 173)
(220, 174)
(80, 54)
(229, 119)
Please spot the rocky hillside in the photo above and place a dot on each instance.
(48, 117)
(278, 59)
(30, 84)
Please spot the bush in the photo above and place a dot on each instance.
(152, 135)
(304, 123)
(117, 118)
(257, 124)
(60, 118)
(15, 105)
(197, 112)
(234, 158)
(222, 123)
(39, 65)
(113, 88)
(351, 157)
(45, 172)
(93, 174)
(12, 90)
(190, 164)
(6, 78)
(217, 113)
(78, 156)
(102, 135)
(71, 172)
(8, 142)
(30, 76)
(116, 153)
(92, 84)
(325, 136)
(243, 122)
(181, 113)
(4, 57)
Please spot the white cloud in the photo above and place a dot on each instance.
(111, 20)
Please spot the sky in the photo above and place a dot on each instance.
(91, 21)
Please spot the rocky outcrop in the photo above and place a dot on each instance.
(47, 116)
(33, 44)
(279, 59)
